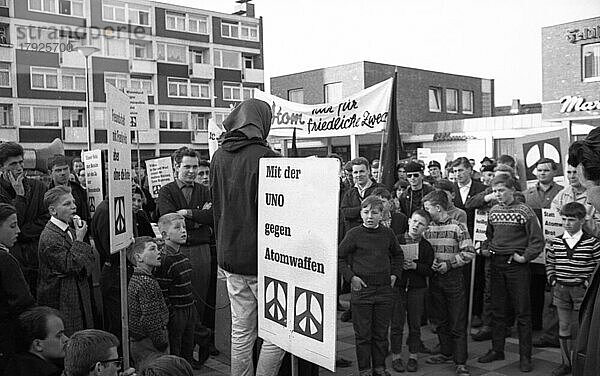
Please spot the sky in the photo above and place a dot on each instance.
(495, 39)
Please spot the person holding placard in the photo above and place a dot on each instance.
(371, 259)
(453, 250)
(411, 289)
(570, 262)
(514, 238)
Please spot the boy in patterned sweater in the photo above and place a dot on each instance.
(174, 277)
(514, 237)
(148, 312)
(570, 263)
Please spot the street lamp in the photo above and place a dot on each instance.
(87, 51)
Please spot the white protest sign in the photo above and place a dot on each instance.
(360, 113)
(297, 256)
(92, 161)
(481, 221)
(139, 116)
(119, 168)
(160, 173)
(214, 132)
(423, 154)
(552, 226)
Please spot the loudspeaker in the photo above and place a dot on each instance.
(38, 159)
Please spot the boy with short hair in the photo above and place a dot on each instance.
(66, 262)
(453, 250)
(454, 212)
(570, 263)
(371, 259)
(397, 221)
(148, 312)
(174, 278)
(411, 290)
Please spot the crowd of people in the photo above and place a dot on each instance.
(406, 256)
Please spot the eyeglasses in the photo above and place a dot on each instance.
(415, 175)
(117, 361)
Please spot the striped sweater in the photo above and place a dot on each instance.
(572, 266)
(514, 228)
(175, 279)
(451, 242)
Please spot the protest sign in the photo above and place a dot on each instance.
(297, 256)
(360, 113)
(481, 221)
(160, 173)
(552, 227)
(119, 168)
(139, 116)
(92, 161)
(214, 132)
(411, 251)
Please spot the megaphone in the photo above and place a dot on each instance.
(38, 159)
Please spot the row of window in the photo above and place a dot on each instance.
(137, 14)
(332, 92)
(452, 100)
(58, 79)
(74, 117)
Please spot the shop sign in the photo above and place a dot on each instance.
(571, 103)
(577, 35)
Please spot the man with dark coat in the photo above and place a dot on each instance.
(363, 187)
(27, 195)
(467, 187)
(234, 189)
(412, 197)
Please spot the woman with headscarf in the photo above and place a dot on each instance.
(585, 155)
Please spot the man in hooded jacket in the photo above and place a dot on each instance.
(234, 189)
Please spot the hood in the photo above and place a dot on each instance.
(252, 117)
(236, 140)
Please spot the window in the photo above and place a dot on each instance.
(173, 120)
(117, 11)
(118, 80)
(64, 7)
(248, 62)
(4, 36)
(591, 62)
(39, 116)
(172, 53)
(4, 74)
(435, 99)
(182, 87)
(73, 117)
(111, 46)
(228, 59)
(3, 3)
(186, 23)
(220, 118)
(73, 79)
(99, 117)
(32, 34)
(6, 115)
(199, 122)
(44, 78)
(175, 21)
(239, 31)
(235, 92)
(113, 10)
(296, 95)
(198, 24)
(452, 100)
(139, 16)
(333, 92)
(141, 50)
(199, 57)
(142, 83)
(467, 102)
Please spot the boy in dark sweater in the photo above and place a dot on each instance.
(570, 263)
(174, 277)
(148, 312)
(514, 238)
(371, 259)
(411, 290)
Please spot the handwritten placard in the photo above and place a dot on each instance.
(481, 221)
(160, 173)
(411, 251)
(552, 227)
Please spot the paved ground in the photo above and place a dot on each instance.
(544, 360)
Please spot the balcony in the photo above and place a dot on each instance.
(72, 59)
(142, 66)
(205, 71)
(200, 137)
(149, 136)
(256, 76)
(7, 52)
(76, 135)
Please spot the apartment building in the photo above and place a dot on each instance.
(193, 64)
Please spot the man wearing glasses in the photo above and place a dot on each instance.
(93, 352)
(412, 197)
